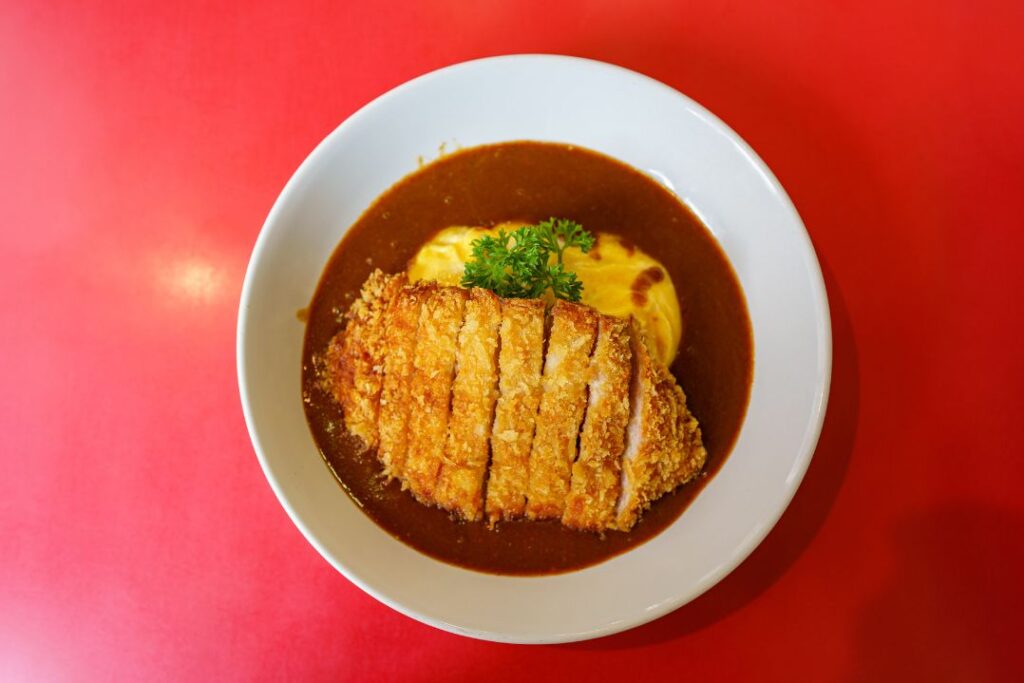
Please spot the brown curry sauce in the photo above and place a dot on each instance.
(532, 181)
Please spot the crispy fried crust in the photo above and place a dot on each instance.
(433, 372)
(664, 446)
(460, 485)
(440, 379)
(688, 459)
(355, 356)
(573, 329)
(401, 323)
(519, 367)
(595, 485)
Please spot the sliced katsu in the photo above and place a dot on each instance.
(430, 392)
(663, 441)
(564, 398)
(401, 325)
(460, 485)
(520, 358)
(355, 356)
(595, 485)
(498, 409)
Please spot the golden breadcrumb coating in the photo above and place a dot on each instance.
(401, 324)
(355, 356)
(466, 408)
(519, 367)
(595, 485)
(433, 372)
(460, 485)
(663, 442)
(564, 398)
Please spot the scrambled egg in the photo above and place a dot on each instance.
(618, 279)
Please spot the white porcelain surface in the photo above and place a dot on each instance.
(649, 126)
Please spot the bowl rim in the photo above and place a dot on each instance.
(801, 463)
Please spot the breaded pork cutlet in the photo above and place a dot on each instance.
(460, 485)
(595, 485)
(564, 398)
(469, 412)
(663, 442)
(401, 323)
(355, 356)
(519, 374)
(430, 393)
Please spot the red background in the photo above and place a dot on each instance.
(142, 146)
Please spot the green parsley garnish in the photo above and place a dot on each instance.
(518, 265)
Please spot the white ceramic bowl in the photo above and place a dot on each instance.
(653, 128)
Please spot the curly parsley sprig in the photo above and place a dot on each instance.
(517, 264)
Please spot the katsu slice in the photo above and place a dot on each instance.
(564, 398)
(401, 324)
(663, 441)
(431, 388)
(355, 356)
(460, 486)
(595, 485)
(690, 458)
(519, 367)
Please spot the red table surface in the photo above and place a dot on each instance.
(142, 148)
